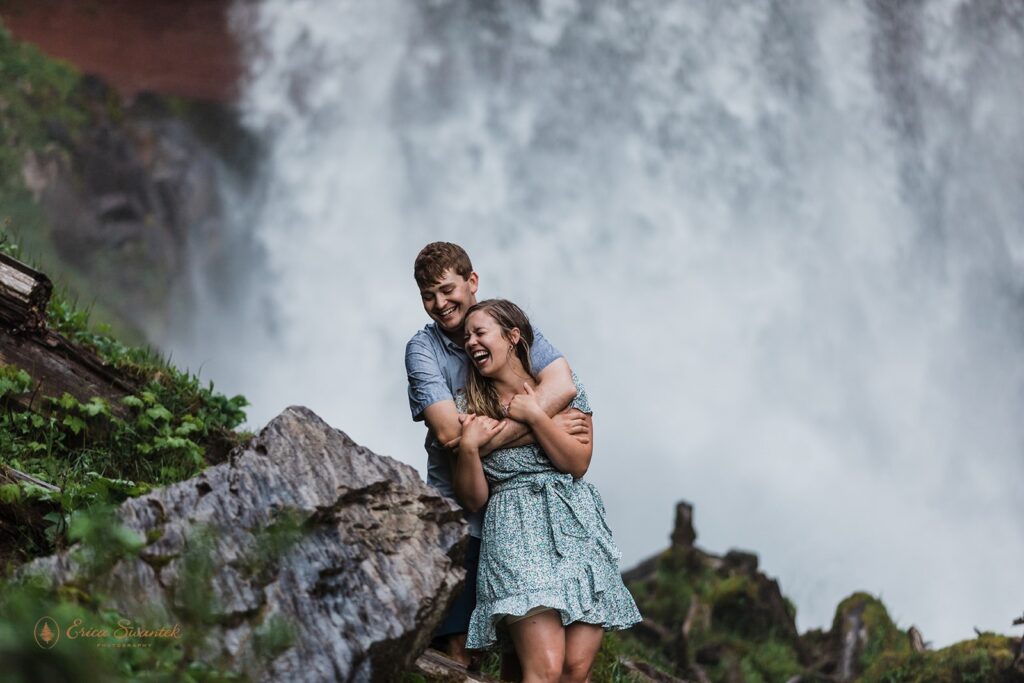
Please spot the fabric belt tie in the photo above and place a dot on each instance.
(556, 487)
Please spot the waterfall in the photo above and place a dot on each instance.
(781, 243)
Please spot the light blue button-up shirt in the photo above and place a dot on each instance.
(437, 367)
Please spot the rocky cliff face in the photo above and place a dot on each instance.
(113, 192)
(124, 197)
(347, 552)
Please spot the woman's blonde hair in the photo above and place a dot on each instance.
(481, 396)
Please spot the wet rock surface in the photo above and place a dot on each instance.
(126, 196)
(303, 527)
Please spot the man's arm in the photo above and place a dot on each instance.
(443, 419)
(555, 391)
(430, 398)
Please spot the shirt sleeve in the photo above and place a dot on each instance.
(427, 385)
(542, 353)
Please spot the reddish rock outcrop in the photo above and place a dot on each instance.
(178, 47)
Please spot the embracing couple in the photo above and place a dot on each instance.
(510, 438)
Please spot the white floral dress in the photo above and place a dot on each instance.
(545, 543)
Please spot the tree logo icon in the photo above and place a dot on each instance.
(47, 632)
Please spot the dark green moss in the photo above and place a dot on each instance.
(988, 658)
(770, 661)
(884, 637)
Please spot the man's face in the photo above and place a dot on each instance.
(448, 299)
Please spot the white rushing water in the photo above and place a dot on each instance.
(780, 242)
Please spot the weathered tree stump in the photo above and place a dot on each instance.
(24, 293)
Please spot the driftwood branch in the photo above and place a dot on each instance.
(9, 475)
(21, 520)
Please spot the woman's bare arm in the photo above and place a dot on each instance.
(567, 452)
(468, 478)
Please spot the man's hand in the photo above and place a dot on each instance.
(573, 422)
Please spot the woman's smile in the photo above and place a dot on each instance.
(483, 338)
(480, 357)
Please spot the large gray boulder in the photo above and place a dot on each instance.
(350, 550)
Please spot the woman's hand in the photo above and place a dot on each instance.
(524, 407)
(477, 430)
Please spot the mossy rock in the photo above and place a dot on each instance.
(988, 658)
(862, 632)
(740, 605)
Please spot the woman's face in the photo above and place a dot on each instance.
(488, 349)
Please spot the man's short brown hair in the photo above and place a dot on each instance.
(437, 257)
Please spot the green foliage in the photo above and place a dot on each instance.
(988, 658)
(104, 540)
(44, 113)
(412, 677)
(770, 661)
(884, 637)
(618, 646)
(37, 90)
(98, 454)
(273, 636)
(37, 99)
(24, 602)
(101, 454)
(94, 456)
(666, 598)
(272, 542)
(607, 665)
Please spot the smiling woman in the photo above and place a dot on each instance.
(548, 579)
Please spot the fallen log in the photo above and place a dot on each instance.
(56, 364)
(24, 293)
(435, 666)
(643, 672)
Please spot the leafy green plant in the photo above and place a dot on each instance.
(96, 453)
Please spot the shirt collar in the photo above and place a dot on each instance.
(445, 340)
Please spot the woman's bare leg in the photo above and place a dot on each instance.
(582, 641)
(540, 644)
